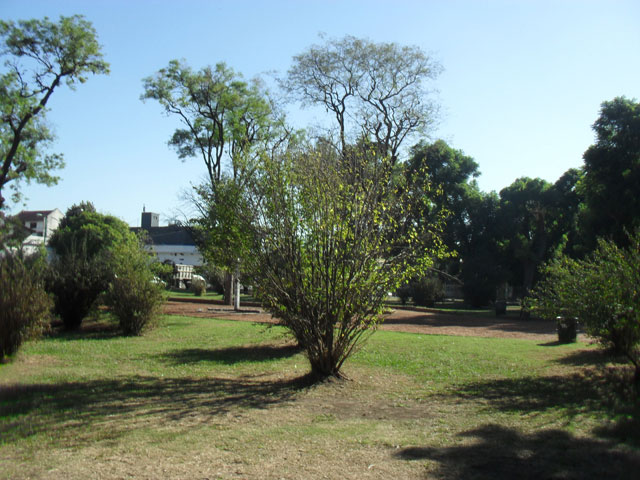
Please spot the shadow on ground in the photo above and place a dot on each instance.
(89, 330)
(128, 403)
(602, 390)
(511, 324)
(233, 355)
(503, 453)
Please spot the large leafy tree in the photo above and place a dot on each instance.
(223, 117)
(481, 252)
(451, 178)
(612, 173)
(537, 217)
(225, 121)
(40, 56)
(333, 222)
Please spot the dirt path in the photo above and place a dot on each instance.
(398, 320)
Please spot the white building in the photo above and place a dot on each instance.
(40, 224)
(173, 243)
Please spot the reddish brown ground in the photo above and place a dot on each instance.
(398, 320)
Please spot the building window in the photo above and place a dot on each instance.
(33, 225)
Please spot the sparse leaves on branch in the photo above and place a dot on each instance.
(330, 243)
(375, 91)
(40, 56)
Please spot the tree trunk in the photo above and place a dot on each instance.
(228, 288)
(236, 300)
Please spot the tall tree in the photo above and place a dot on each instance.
(40, 55)
(375, 91)
(451, 176)
(612, 173)
(331, 223)
(224, 119)
(481, 253)
(537, 217)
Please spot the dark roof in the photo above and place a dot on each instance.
(33, 215)
(171, 235)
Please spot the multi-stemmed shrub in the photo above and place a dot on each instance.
(601, 292)
(24, 305)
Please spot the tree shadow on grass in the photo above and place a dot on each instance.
(606, 392)
(599, 357)
(233, 355)
(504, 453)
(114, 407)
(103, 329)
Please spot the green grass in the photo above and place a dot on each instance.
(207, 295)
(202, 398)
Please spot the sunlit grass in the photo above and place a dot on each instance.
(221, 399)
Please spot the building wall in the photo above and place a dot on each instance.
(178, 254)
(53, 220)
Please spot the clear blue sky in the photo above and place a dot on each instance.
(521, 87)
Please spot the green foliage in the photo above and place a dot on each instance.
(223, 118)
(12, 231)
(40, 56)
(601, 291)
(76, 279)
(163, 271)
(25, 307)
(220, 234)
(331, 237)
(611, 182)
(84, 243)
(427, 290)
(212, 274)
(537, 217)
(403, 292)
(221, 114)
(95, 232)
(133, 296)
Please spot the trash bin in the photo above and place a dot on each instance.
(567, 329)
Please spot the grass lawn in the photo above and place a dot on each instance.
(201, 398)
(208, 295)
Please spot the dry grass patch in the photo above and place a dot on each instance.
(200, 398)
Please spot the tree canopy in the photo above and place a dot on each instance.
(612, 172)
(223, 116)
(84, 228)
(332, 223)
(40, 55)
(375, 91)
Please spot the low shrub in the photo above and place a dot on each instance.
(133, 297)
(601, 291)
(427, 291)
(76, 281)
(404, 293)
(25, 307)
